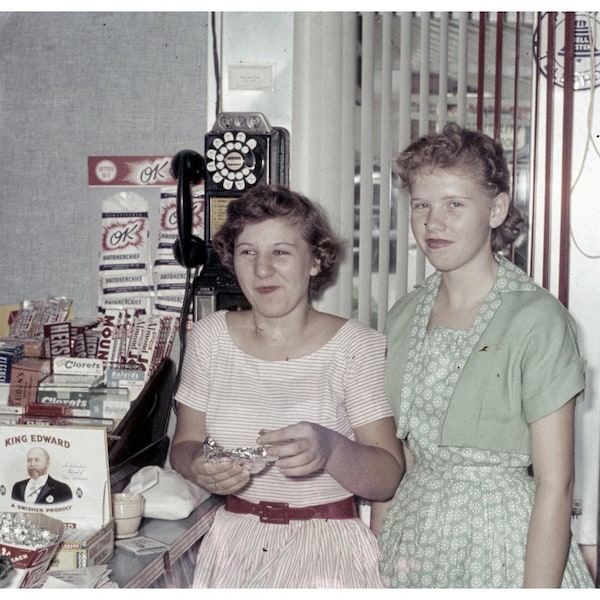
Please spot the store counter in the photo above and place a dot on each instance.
(130, 571)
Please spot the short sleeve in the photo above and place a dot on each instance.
(365, 396)
(553, 370)
(195, 370)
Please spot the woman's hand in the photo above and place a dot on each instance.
(301, 449)
(223, 476)
(187, 456)
(370, 467)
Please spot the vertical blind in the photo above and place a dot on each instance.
(416, 72)
(366, 85)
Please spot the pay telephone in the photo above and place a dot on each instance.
(241, 151)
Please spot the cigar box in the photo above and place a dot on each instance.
(77, 492)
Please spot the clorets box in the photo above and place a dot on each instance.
(62, 473)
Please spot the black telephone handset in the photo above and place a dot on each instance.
(189, 168)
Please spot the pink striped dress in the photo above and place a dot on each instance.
(340, 386)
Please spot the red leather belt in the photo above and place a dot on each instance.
(283, 513)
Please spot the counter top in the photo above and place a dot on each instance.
(130, 571)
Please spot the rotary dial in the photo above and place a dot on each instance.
(232, 162)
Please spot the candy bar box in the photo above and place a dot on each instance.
(85, 396)
(61, 473)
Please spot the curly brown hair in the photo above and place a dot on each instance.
(469, 152)
(274, 201)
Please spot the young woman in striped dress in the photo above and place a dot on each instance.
(306, 385)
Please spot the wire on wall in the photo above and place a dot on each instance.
(589, 141)
(216, 63)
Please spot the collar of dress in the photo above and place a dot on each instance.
(509, 278)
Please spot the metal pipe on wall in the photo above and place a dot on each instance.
(498, 76)
(481, 70)
(534, 157)
(567, 159)
(548, 154)
(515, 113)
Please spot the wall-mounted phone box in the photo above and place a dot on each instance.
(242, 151)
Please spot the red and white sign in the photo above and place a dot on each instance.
(130, 171)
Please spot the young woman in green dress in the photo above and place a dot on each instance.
(483, 374)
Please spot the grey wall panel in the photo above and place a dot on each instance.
(74, 85)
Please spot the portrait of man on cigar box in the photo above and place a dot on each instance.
(40, 487)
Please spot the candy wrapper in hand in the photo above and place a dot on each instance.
(254, 459)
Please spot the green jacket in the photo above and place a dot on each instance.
(523, 365)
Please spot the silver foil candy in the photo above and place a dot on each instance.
(16, 529)
(254, 459)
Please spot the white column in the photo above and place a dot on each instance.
(322, 155)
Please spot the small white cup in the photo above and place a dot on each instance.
(128, 510)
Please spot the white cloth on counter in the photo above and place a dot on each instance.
(167, 494)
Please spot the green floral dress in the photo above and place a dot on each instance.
(460, 516)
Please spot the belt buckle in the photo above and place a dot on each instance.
(274, 512)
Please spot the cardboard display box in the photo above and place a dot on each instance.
(4, 391)
(25, 378)
(72, 390)
(32, 347)
(31, 564)
(93, 399)
(77, 492)
(88, 548)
